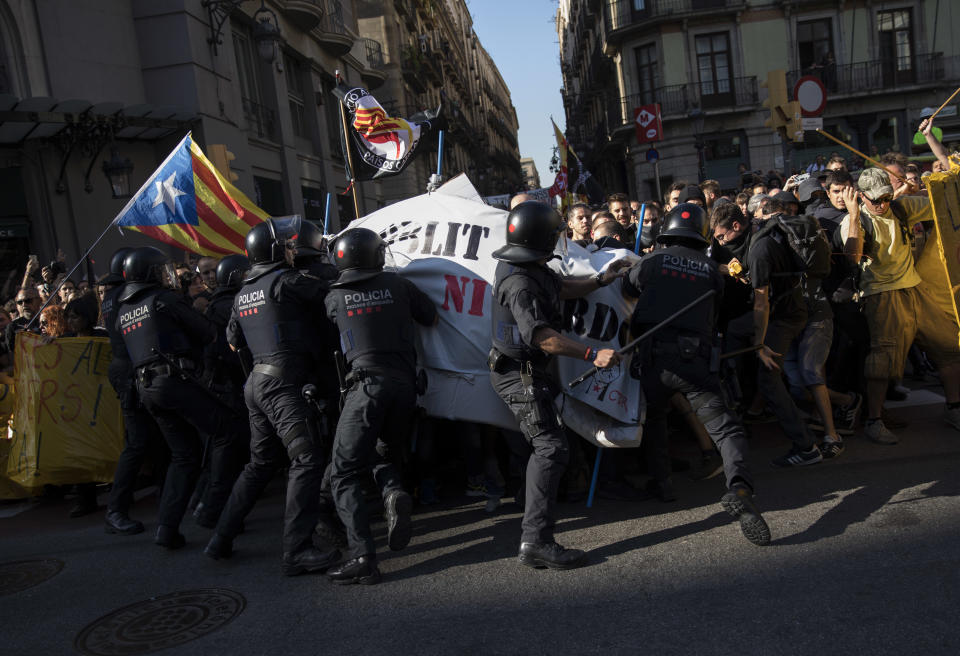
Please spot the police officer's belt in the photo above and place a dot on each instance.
(268, 370)
(502, 363)
(148, 372)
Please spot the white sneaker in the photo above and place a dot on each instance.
(952, 417)
(877, 432)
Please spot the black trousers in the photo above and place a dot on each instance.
(179, 409)
(665, 373)
(549, 452)
(227, 453)
(278, 430)
(375, 420)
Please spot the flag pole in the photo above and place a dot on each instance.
(434, 182)
(76, 266)
(346, 147)
(326, 216)
(636, 245)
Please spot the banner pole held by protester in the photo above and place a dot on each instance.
(952, 96)
(348, 153)
(629, 347)
(636, 245)
(865, 157)
(326, 216)
(437, 178)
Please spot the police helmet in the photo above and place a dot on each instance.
(532, 232)
(359, 253)
(144, 265)
(267, 242)
(685, 221)
(231, 269)
(115, 277)
(310, 241)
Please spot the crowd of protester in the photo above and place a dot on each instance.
(833, 343)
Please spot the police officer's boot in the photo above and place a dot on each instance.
(550, 554)
(362, 570)
(310, 559)
(118, 522)
(398, 506)
(169, 537)
(219, 546)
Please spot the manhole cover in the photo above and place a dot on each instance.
(24, 574)
(161, 622)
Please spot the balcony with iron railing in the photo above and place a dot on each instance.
(622, 16)
(374, 73)
(411, 68)
(893, 74)
(332, 33)
(305, 14)
(738, 93)
(261, 120)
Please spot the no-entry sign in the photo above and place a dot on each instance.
(811, 94)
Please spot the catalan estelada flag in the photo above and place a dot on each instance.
(187, 203)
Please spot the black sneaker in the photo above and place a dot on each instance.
(797, 457)
(310, 559)
(397, 508)
(738, 503)
(550, 554)
(845, 417)
(830, 447)
(362, 570)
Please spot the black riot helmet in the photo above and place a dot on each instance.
(115, 277)
(359, 253)
(532, 232)
(687, 222)
(266, 242)
(142, 269)
(310, 241)
(231, 270)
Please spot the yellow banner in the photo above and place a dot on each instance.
(944, 192)
(67, 426)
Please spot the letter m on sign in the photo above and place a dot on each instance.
(457, 289)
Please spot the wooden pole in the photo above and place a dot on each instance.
(865, 157)
(952, 96)
(346, 146)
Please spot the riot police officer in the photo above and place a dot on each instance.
(526, 332)
(379, 405)
(223, 372)
(677, 358)
(165, 338)
(274, 315)
(139, 427)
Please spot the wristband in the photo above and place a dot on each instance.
(590, 354)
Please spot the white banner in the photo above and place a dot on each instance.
(443, 242)
(503, 200)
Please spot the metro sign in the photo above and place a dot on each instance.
(649, 125)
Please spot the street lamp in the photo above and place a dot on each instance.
(266, 32)
(697, 116)
(118, 172)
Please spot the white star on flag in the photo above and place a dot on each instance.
(167, 193)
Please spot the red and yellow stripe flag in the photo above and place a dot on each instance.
(187, 203)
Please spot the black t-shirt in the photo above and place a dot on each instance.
(829, 218)
(771, 264)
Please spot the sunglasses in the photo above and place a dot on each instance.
(881, 200)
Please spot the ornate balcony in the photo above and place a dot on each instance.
(331, 33)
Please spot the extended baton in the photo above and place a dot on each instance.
(733, 354)
(626, 349)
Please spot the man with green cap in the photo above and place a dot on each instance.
(877, 234)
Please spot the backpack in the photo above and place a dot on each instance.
(808, 244)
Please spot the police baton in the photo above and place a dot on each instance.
(629, 347)
(733, 354)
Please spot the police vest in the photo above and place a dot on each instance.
(506, 333)
(676, 277)
(270, 326)
(373, 317)
(145, 329)
(108, 308)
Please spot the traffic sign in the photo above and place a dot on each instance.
(647, 120)
(815, 123)
(652, 155)
(811, 94)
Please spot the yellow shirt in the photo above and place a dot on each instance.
(892, 266)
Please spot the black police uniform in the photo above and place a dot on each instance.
(152, 319)
(677, 358)
(527, 297)
(381, 400)
(140, 430)
(272, 316)
(227, 451)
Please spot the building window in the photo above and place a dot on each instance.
(295, 94)
(896, 44)
(647, 81)
(713, 65)
(814, 44)
(246, 66)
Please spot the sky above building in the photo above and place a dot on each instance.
(521, 37)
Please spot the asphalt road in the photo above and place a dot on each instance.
(863, 560)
